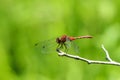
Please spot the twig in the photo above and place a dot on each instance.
(107, 54)
(109, 62)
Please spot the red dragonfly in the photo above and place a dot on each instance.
(64, 38)
(61, 41)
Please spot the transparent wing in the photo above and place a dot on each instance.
(75, 47)
(72, 47)
(46, 47)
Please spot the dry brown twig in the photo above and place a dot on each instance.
(108, 58)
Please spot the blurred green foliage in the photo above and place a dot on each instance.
(26, 22)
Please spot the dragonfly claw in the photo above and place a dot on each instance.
(60, 53)
(58, 50)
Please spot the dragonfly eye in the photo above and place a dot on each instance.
(58, 40)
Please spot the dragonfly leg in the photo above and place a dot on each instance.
(66, 49)
(60, 46)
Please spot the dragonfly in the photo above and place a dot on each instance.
(63, 42)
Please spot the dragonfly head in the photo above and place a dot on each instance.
(58, 40)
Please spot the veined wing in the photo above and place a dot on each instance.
(72, 47)
(46, 47)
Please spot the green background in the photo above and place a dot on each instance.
(26, 22)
